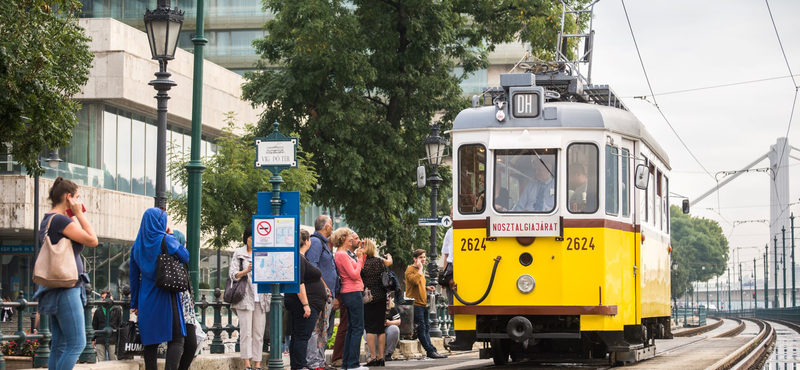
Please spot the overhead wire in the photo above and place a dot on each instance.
(652, 94)
(709, 87)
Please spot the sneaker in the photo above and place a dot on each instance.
(337, 363)
(436, 355)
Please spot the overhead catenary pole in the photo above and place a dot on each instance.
(195, 167)
(777, 303)
(717, 286)
(794, 300)
(729, 290)
(755, 287)
(783, 260)
(741, 289)
(766, 276)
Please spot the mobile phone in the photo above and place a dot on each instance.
(71, 215)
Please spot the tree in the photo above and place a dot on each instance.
(362, 81)
(44, 61)
(230, 185)
(699, 248)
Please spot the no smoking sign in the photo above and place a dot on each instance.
(263, 228)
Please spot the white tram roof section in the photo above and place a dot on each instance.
(564, 115)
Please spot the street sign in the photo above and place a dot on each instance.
(291, 206)
(276, 152)
(435, 221)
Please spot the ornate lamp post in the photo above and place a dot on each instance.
(163, 26)
(434, 148)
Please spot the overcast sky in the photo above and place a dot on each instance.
(700, 43)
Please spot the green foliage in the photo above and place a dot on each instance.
(333, 337)
(698, 247)
(362, 81)
(230, 184)
(44, 61)
(204, 285)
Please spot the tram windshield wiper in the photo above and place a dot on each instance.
(543, 164)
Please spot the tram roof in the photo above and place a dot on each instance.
(567, 115)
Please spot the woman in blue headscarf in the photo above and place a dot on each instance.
(159, 311)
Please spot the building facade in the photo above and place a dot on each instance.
(112, 154)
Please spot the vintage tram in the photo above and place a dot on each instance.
(561, 225)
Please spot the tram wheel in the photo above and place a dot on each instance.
(500, 351)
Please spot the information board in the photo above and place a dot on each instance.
(275, 252)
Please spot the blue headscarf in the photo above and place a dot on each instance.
(147, 246)
(179, 237)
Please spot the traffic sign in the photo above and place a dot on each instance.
(447, 221)
(263, 228)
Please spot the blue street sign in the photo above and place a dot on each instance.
(290, 209)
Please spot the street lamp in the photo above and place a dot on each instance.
(434, 148)
(163, 26)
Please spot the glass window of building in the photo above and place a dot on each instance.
(533, 169)
(137, 154)
(582, 181)
(471, 178)
(474, 82)
(151, 136)
(110, 148)
(124, 152)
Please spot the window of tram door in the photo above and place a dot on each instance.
(626, 176)
(582, 178)
(612, 180)
(525, 180)
(471, 178)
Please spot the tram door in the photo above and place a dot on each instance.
(627, 204)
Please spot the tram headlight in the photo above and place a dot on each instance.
(526, 283)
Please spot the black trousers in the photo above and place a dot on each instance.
(174, 347)
(189, 348)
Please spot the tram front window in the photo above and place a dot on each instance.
(525, 180)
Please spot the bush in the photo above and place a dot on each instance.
(204, 285)
(333, 337)
(28, 348)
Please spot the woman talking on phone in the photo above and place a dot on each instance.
(159, 311)
(65, 305)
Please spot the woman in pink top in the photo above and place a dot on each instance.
(349, 260)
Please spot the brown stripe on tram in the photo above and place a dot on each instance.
(568, 223)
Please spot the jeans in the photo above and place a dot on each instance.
(301, 332)
(68, 330)
(174, 347)
(423, 328)
(355, 328)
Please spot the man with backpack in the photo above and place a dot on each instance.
(321, 256)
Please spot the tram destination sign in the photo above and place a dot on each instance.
(524, 226)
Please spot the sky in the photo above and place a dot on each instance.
(702, 43)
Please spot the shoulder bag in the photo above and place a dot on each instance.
(386, 279)
(55, 267)
(236, 290)
(170, 273)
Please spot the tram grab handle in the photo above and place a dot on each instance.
(485, 294)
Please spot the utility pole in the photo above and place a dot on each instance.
(783, 260)
(729, 289)
(718, 293)
(766, 276)
(755, 287)
(708, 301)
(741, 289)
(794, 301)
(777, 303)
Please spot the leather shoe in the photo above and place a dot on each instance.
(436, 355)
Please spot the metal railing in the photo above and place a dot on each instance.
(689, 316)
(89, 355)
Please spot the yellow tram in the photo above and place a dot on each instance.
(560, 228)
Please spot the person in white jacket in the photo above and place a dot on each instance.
(253, 308)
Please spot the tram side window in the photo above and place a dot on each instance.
(525, 180)
(666, 203)
(612, 180)
(471, 178)
(582, 178)
(626, 190)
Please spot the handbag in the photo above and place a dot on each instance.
(170, 273)
(387, 281)
(129, 343)
(236, 290)
(446, 276)
(55, 267)
(366, 297)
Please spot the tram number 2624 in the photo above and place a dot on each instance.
(580, 244)
(473, 244)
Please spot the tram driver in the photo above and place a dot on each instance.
(578, 184)
(539, 193)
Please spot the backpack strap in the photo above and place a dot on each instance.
(321, 250)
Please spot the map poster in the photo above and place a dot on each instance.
(285, 232)
(263, 232)
(273, 267)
